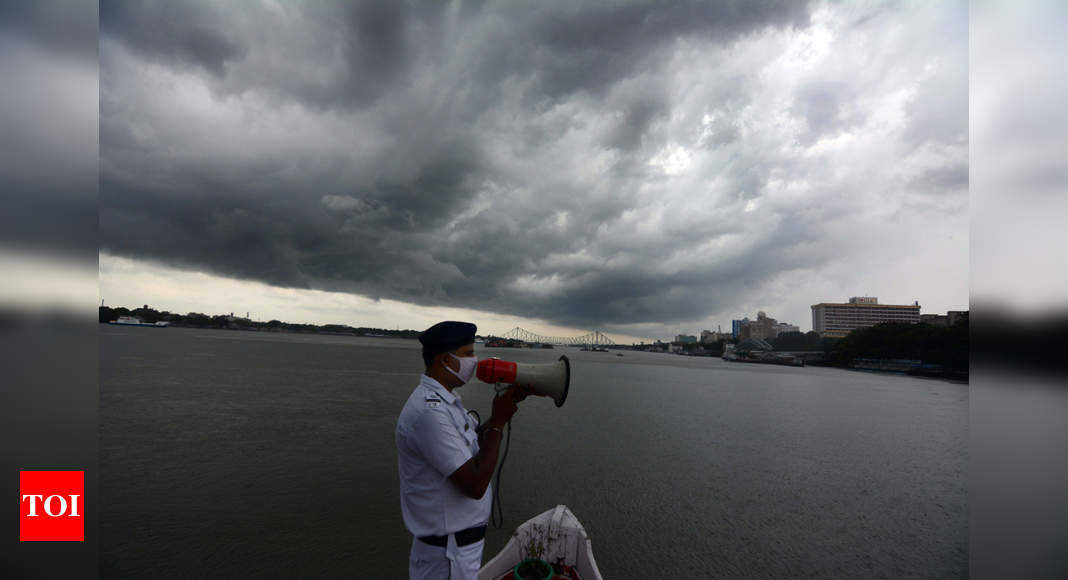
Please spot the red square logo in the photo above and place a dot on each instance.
(52, 506)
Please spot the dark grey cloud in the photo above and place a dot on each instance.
(566, 47)
(175, 33)
(49, 154)
(594, 164)
(69, 30)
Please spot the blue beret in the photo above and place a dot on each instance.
(446, 336)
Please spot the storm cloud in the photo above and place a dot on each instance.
(614, 165)
(48, 154)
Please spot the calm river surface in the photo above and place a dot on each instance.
(227, 453)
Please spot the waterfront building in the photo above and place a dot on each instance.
(736, 327)
(758, 328)
(835, 320)
(711, 336)
(686, 338)
(763, 327)
(782, 328)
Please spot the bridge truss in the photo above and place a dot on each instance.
(593, 338)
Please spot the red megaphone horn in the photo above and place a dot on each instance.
(552, 379)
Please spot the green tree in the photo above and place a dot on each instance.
(931, 344)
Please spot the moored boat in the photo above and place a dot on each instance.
(788, 361)
(135, 321)
(555, 536)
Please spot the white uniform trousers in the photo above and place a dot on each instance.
(449, 563)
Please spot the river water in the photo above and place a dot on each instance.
(227, 453)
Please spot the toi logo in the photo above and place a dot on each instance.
(51, 506)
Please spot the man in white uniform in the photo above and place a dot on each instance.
(445, 463)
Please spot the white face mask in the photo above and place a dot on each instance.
(467, 367)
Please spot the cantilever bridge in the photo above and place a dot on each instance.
(593, 338)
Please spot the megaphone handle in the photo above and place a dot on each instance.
(501, 387)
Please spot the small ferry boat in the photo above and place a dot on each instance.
(135, 321)
(789, 361)
(555, 539)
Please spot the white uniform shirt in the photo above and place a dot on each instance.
(432, 443)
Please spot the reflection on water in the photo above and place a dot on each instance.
(233, 453)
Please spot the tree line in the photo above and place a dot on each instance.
(941, 345)
(225, 321)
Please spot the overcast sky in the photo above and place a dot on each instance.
(639, 169)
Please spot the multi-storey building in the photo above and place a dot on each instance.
(710, 336)
(782, 328)
(834, 320)
(762, 327)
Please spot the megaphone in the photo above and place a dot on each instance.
(552, 379)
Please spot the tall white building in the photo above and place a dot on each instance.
(835, 320)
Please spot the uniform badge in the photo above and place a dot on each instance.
(433, 403)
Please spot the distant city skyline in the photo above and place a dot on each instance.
(647, 171)
(168, 292)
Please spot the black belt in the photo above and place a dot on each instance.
(463, 537)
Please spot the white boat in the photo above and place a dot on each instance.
(135, 321)
(555, 536)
